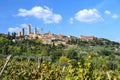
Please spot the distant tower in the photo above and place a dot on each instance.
(19, 33)
(29, 29)
(35, 31)
(49, 32)
(22, 32)
(41, 31)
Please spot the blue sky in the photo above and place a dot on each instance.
(100, 18)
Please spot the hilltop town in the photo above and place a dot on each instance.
(48, 38)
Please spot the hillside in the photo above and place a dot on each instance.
(10, 41)
(101, 53)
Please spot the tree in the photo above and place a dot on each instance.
(55, 54)
(13, 35)
(8, 35)
(105, 52)
(72, 54)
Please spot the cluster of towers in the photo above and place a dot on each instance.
(22, 32)
(29, 30)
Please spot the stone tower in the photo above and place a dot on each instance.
(19, 33)
(35, 31)
(42, 31)
(22, 32)
(29, 29)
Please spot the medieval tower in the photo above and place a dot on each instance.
(42, 31)
(29, 29)
(35, 31)
(22, 32)
(19, 33)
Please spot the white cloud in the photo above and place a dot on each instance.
(107, 12)
(88, 15)
(23, 25)
(17, 29)
(71, 20)
(115, 16)
(43, 13)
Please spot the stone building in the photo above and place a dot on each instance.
(87, 38)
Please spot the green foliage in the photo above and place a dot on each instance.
(80, 60)
(63, 59)
(105, 52)
(23, 70)
(72, 54)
